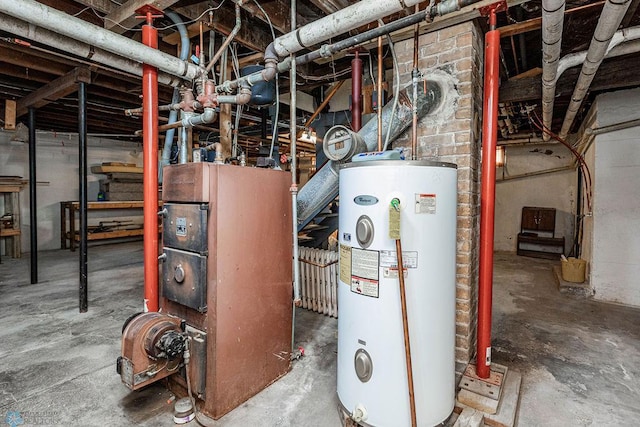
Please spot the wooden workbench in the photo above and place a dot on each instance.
(68, 230)
(10, 189)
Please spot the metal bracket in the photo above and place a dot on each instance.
(488, 387)
(500, 6)
(143, 10)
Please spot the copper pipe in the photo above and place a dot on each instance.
(227, 41)
(150, 169)
(415, 72)
(405, 327)
(201, 42)
(324, 103)
(379, 94)
(356, 92)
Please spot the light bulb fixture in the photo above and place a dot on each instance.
(308, 135)
(501, 156)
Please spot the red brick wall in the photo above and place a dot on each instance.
(452, 135)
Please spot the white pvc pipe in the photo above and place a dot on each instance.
(552, 23)
(77, 29)
(610, 18)
(338, 23)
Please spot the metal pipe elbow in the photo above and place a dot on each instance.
(270, 69)
(270, 53)
(244, 96)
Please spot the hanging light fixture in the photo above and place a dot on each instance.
(309, 135)
(501, 156)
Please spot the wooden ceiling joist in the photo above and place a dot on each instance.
(124, 17)
(615, 74)
(536, 23)
(53, 91)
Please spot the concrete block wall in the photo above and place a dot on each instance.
(452, 135)
(57, 175)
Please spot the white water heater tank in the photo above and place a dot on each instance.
(372, 373)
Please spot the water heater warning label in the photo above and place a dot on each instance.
(345, 264)
(365, 267)
(425, 204)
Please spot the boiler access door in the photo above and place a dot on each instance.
(185, 278)
(185, 226)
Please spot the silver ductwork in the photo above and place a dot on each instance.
(552, 23)
(608, 24)
(322, 188)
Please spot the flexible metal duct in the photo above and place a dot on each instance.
(609, 21)
(320, 190)
(552, 22)
(77, 29)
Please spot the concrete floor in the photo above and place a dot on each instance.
(580, 359)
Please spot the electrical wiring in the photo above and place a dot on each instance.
(104, 18)
(83, 10)
(344, 72)
(396, 91)
(581, 162)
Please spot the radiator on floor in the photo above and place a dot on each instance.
(319, 280)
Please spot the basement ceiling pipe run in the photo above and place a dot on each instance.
(608, 24)
(37, 34)
(62, 23)
(619, 45)
(552, 22)
(338, 23)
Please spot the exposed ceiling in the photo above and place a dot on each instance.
(26, 66)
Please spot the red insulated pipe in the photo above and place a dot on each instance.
(356, 93)
(488, 195)
(150, 169)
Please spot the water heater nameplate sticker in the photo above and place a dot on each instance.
(390, 259)
(425, 204)
(345, 264)
(392, 272)
(365, 268)
(181, 226)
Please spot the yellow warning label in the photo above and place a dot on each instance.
(394, 222)
(345, 264)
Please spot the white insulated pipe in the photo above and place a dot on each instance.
(32, 32)
(77, 29)
(610, 18)
(552, 23)
(338, 23)
(617, 47)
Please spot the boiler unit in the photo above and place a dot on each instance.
(225, 285)
(372, 369)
